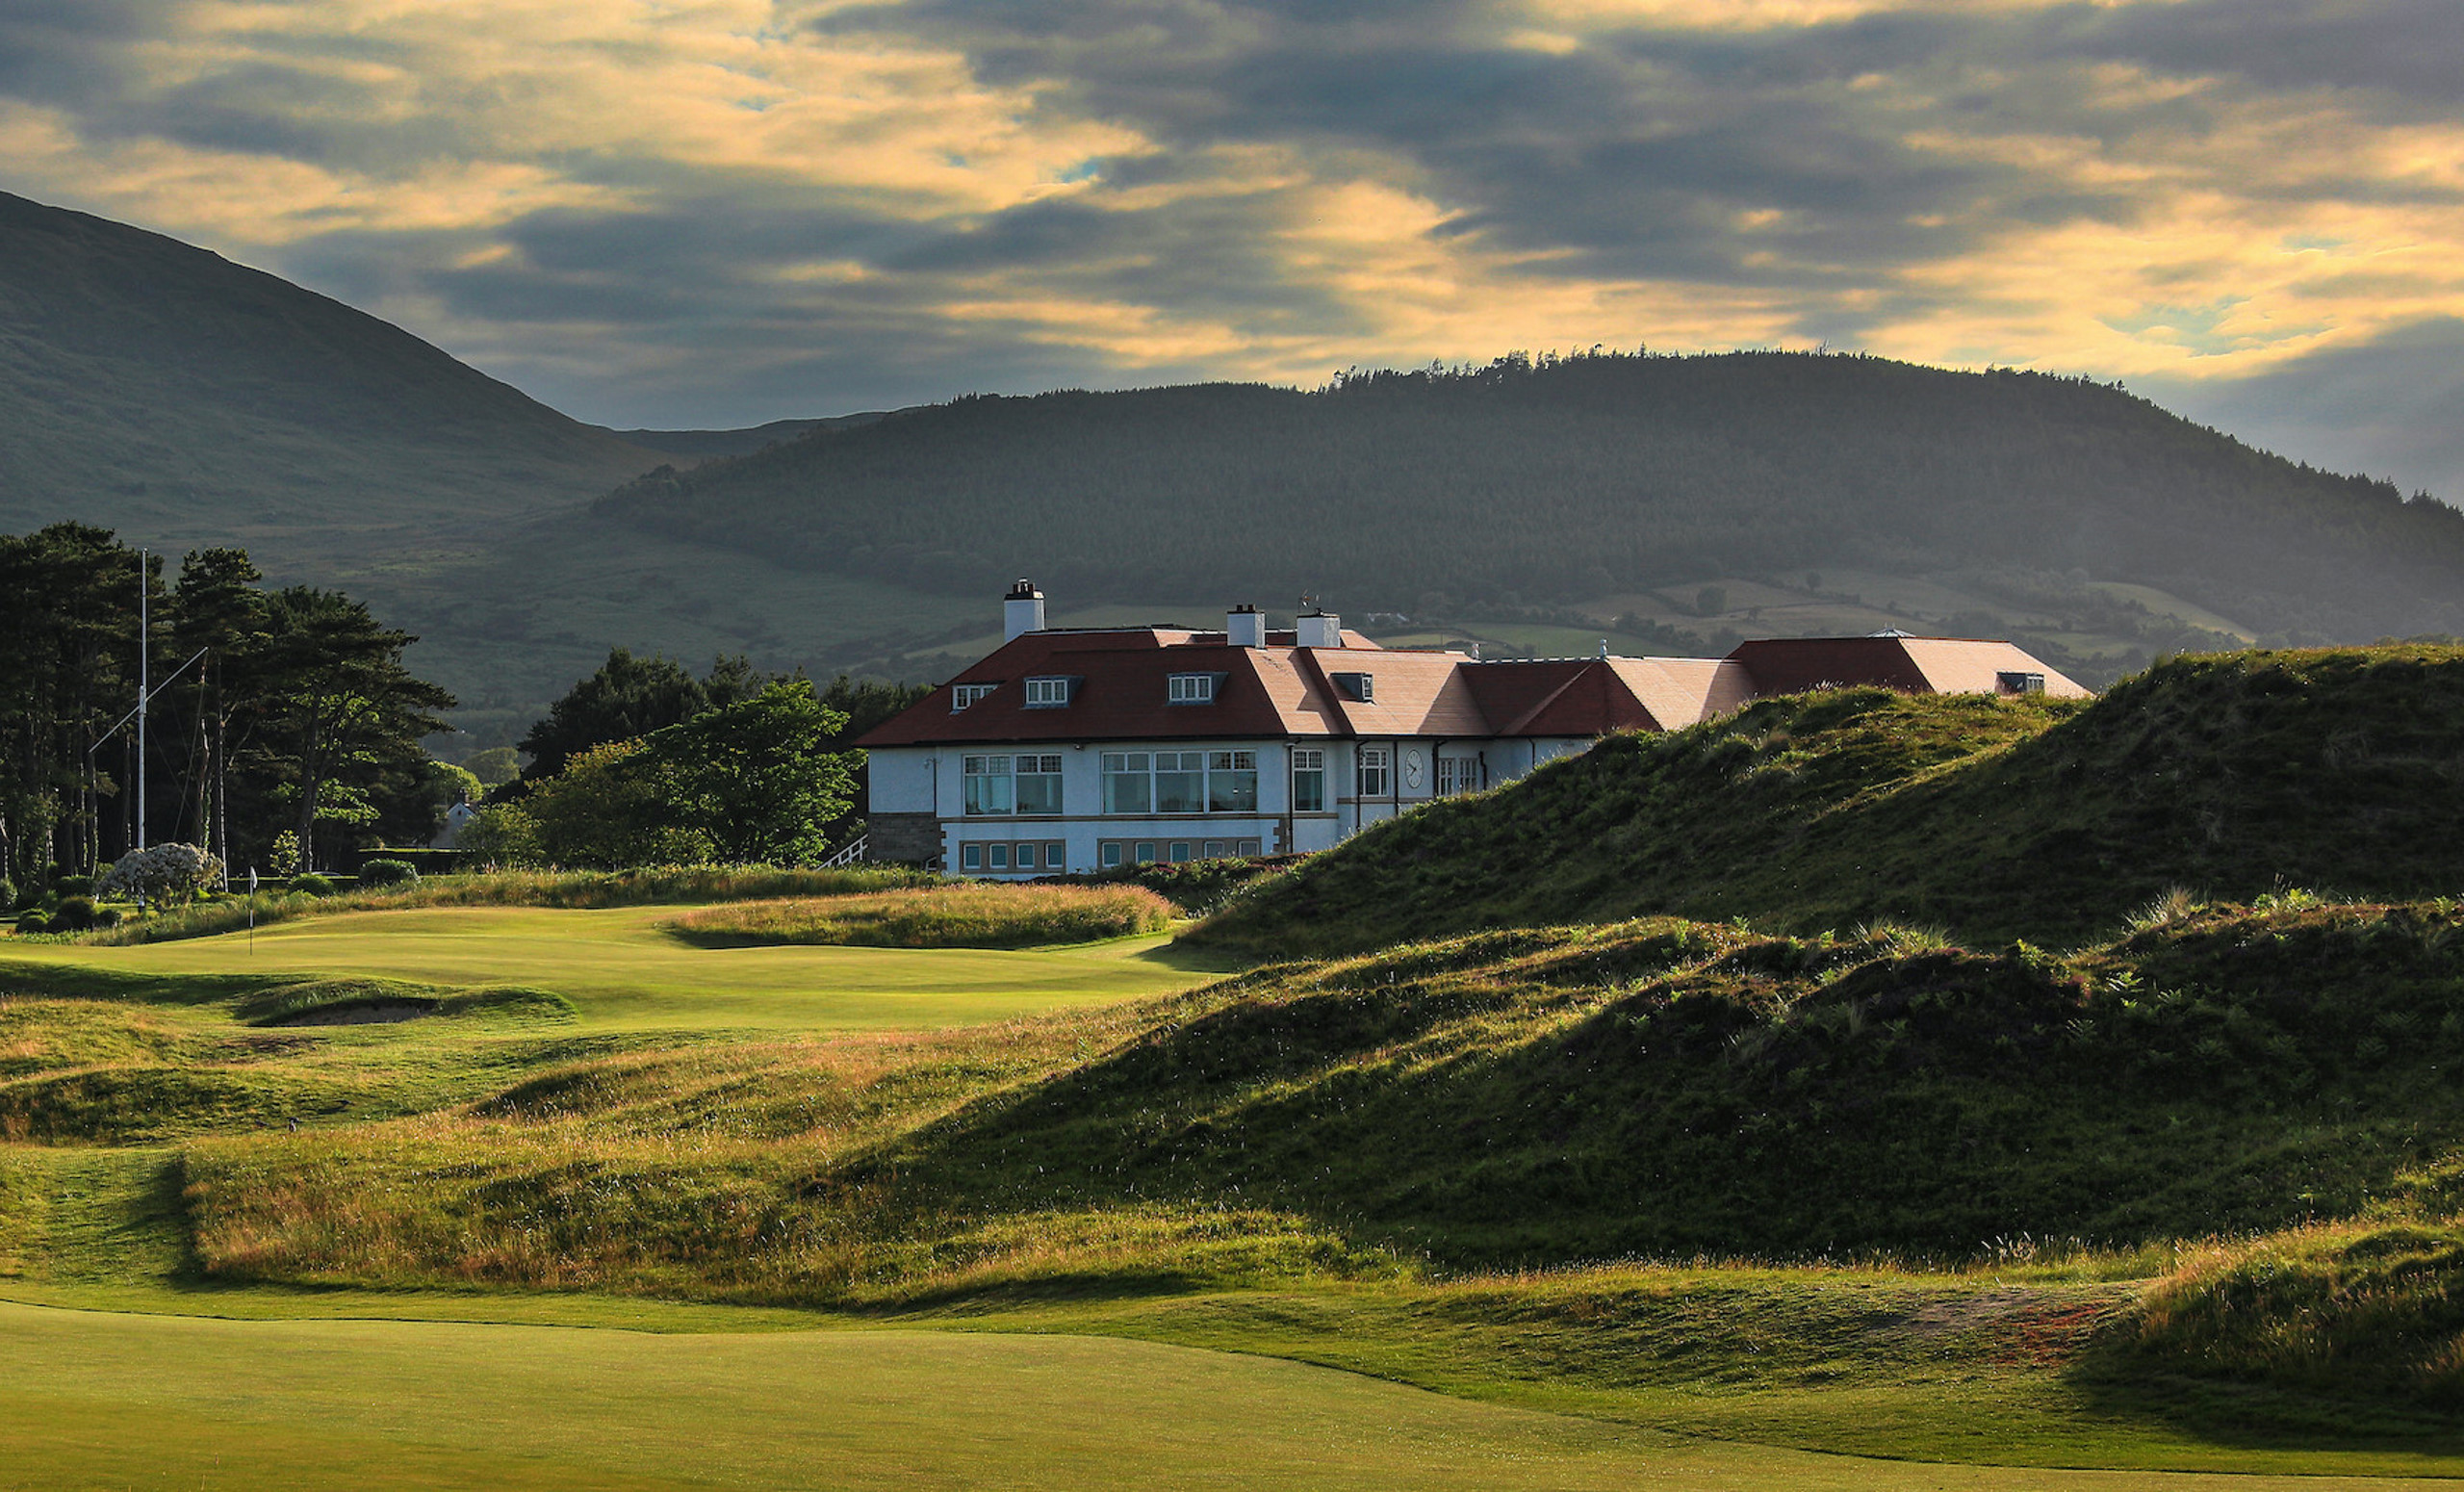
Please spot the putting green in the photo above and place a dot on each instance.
(98, 1399)
(622, 971)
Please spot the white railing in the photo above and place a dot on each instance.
(850, 854)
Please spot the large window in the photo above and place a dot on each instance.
(1038, 785)
(1376, 774)
(1232, 781)
(1013, 784)
(1458, 774)
(1129, 783)
(990, 788)
(1308, 781)
(1180, 782)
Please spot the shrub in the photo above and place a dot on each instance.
(73, 885)
(106, 916)
(972, 915)
(33, 922)
(374, 874)
(73, 914)
(311, 885)
(283, 858)
(162, 874)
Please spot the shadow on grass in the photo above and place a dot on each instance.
(2254, 1417)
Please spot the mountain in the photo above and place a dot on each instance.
(1576, 483)
(1661, 503)
(703, 445)
(164, 391)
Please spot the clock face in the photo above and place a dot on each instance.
(1412, 768)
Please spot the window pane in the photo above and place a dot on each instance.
(1246, 847)
(1229, 792)
(1145, 852)
(1180, 790)
(971, 857)
(997, 856)
(1054, 855)
(1128, 792)
(1109, 856)
(1309, 790)
(1180, 851)
(1039, 794)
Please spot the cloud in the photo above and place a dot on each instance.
(726, 210)
(2392, 407)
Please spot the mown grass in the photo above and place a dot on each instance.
(568, 890)
(621, 969)
(1993, 818)
(98, 1399)
(941, 916)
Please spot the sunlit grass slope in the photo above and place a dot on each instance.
(2234, 775)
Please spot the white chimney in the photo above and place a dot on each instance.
(1320, 630)
(1244, 627)
(1021, 611)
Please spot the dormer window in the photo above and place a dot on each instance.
(1191, 689)
(2018, 684)
(1050, 693)
(962, 695)
(1360, 688)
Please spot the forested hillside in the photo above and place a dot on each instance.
(155, 388)
(1568, 480)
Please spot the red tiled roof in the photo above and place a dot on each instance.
(1120, 690)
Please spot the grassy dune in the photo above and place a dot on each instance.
(947, 916)
(2232, 776)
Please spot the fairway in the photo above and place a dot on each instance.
(622, 971)
(100, 1398)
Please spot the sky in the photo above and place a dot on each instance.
(717, 213)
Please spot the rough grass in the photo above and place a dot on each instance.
(941, 916)
(569, 890)
(2236, 774)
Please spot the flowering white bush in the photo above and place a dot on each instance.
(161, 873)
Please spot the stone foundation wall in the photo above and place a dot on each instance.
(903, 839)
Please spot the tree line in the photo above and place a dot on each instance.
(641, 763)
(274, 711)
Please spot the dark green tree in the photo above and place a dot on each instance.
(758, 778)
(628, 697)
(343, 715)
